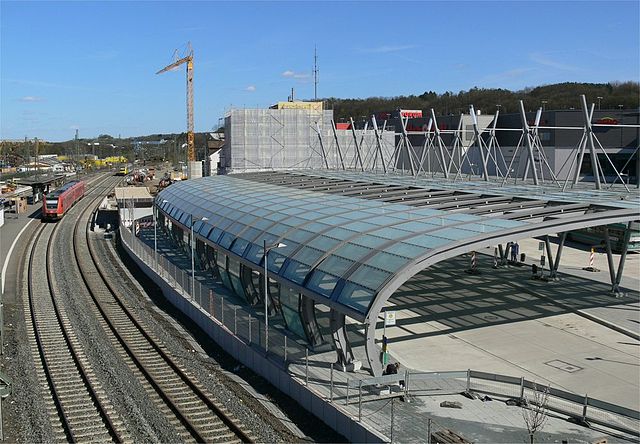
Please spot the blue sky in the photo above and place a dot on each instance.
(92, 65)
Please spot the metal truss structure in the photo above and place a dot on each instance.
(434, 158)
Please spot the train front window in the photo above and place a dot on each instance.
(52, 204)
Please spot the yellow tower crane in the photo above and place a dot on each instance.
(188, 59)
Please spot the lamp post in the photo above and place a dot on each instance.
(599, 99)
(544, 102)
(621, 116)
(155, 232)
(193, 266)
(266, 291)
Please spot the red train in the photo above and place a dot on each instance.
(58, 202)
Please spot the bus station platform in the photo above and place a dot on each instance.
(493, 335)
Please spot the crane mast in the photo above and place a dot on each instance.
(188, 59)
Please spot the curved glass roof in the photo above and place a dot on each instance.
(338, 248)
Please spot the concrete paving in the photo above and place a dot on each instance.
(498, 321)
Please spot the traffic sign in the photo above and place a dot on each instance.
(389, 318)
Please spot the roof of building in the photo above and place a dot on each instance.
(353, 238)
(137, 193)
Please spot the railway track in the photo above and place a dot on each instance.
(194, 413)
(78, 406)
(79, 410)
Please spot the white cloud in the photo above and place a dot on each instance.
(31, 99)
(388, 48)
(545, 60)
(250, 88)
(296, 75)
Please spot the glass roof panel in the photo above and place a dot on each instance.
(239, 246)
(322, 283)
(386, 261)
(356, 297)
(338, 233)
(351, 251)
(296, 271)
(369, 277)
(323, 242)
(404, 249)
(299, 236)
(308, 255)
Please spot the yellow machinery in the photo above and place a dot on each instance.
(188, 59)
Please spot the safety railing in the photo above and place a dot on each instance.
(242, 321)
(581, 408)
(249, 326)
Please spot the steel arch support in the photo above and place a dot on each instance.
(373, 354)
(345, 359)
(460, 247)
(307, 314)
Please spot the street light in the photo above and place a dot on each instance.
(266, 292)
(193, 266)
(155, 232)
(599, 98)
(544, 102)
(620, 108)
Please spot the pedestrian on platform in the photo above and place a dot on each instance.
(392, 368)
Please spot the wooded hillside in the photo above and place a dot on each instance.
(558, 96)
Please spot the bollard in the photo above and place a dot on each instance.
(331, 386)
(249, 329)
(222, 310)
(285, 349)
(429, 431)
(468, 380)
(306, 366)
(235, 321)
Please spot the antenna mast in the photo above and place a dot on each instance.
(315, 73)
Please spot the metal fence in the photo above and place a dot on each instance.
(581, 408)
(283, 349)
(238, 319)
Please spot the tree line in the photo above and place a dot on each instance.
(557, 96)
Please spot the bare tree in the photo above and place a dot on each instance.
(534, 411)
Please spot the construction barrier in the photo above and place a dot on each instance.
(591, 267)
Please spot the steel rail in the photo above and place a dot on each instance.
(76, 426)
(200, 432)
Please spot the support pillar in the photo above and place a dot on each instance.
(309, 321)
(616, 277)
(503, 255)
(556, 263)
(623, 257)
(345, 358)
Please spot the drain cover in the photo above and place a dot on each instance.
(564, 366)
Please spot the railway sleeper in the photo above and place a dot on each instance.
(80, 409)
(85, 418)
(224, 437)
(197, 409)
(91, 435)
